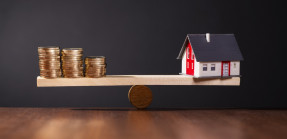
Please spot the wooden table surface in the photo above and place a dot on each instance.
(105, 123)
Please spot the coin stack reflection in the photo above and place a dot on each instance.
(49, 62)
(95, 66)
(72, 62)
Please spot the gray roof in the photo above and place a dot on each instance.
(222, 47)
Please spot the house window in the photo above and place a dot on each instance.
(192, 56)
(204, 67)
(188, 53)
(212, 67)
(187, 65)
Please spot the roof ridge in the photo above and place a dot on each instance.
(212, 34)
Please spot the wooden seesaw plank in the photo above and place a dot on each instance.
(128, 80)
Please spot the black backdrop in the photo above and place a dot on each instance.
(141, 37)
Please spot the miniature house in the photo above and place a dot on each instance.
(210, 55)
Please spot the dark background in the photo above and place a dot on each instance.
(142, 37)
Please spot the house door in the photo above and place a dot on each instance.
(225, 71)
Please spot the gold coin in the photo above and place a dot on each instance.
(96, 66)
(140, 96)
(72, 56)
(49, 77)
(72, 66)
(98, 69)
(48, 47)
(72, 71)
(72, 59)
(95, 57)
(95, 72)
(94, 60)
(48, 51)
(48, 55)
(94, 69)
(73, 76)
(72, 63)
(72, 53)
(72, 49)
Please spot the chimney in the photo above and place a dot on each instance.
(207, 36)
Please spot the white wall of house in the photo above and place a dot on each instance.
(183, 63)
(234, 68)
(196, 67)
(209, 72)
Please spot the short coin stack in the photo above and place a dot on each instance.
(72, 62)
(95, 66)
(49, 62)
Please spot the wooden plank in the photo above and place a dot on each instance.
(127, 80)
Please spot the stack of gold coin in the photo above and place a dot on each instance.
(49, 62)
(95, 66)
(72, 62)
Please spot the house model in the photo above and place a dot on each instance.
(210, 55)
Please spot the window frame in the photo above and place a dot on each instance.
(212, 67)
(204, 67)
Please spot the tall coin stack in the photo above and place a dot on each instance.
(95, 66)
(72, 62)
(49, 62)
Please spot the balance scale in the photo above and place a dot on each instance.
(139, 95)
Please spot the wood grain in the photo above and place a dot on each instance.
(124, 80)
(69, 123)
